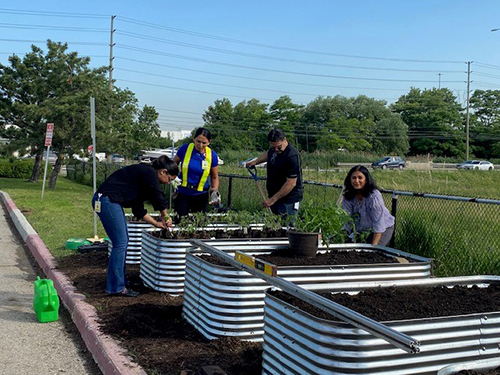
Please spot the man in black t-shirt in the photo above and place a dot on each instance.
(284, 174)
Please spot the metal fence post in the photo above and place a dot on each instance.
(394, 209)
(229, 191)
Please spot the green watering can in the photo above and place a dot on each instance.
(45, 301)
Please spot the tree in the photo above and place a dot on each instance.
(486, 107)
(43, 88)
(434, 120)
(327, 120)
(219, 119)
(286, 116)
(56, 87)
(485, 123)
(252, 123)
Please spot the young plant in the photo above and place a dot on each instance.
(271, 221)
(327, 219)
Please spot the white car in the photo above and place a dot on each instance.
(116, 158)
(480, 165)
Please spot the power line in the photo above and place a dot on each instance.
(274, 47)
(217, 83)
(50, 27)
(489, 66)
(238, 53)
(486, 74)
(206, 61)
(258, 79)
(176, 110)
(184, 89)
(51, 14)
(44, 41)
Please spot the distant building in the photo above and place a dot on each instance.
(176, 134)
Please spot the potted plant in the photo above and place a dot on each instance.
(325, 222)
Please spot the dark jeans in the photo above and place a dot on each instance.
(115, 224)
(286, 210)
(183, 203)
(385, 239)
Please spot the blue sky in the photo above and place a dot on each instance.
(182, 56)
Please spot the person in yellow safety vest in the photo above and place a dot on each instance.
(199, 174)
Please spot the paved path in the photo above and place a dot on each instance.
(26, 346)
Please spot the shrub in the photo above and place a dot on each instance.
(14, 168)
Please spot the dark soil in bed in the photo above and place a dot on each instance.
(283, 258)
(220, 234)
(384, 304)
(151, 327)
(473, 372)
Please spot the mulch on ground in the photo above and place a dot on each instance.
(151, 326)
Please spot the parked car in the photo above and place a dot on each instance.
(52, 156)
(389, 162)
(476, 164)
(116, 158)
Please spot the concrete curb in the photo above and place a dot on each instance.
(109, 356)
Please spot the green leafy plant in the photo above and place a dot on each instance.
(327, 219)
(271, 221)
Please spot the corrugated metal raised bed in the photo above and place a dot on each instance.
(479, 366)
(164, 260)
(224, 301)
(296, 342)
(134, 228)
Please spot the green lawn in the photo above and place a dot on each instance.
(63, 213)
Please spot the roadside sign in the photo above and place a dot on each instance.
(49, 133)
(90, 149)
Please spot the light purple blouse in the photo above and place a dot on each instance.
(369, 214)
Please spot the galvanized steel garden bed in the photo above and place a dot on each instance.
(223, 301)
(298, 342)
(163, 260)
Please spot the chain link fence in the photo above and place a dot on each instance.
(462, 235)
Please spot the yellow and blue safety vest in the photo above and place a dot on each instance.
(195, 169)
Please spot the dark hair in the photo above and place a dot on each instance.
(204, 132)
(276, 135)
(350, 192)
(164, 162)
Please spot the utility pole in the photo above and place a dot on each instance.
(111, 44)
(468, 114)
(439, 86)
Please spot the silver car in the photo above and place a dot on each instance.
(480, 165)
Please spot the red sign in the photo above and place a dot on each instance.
(48, 134)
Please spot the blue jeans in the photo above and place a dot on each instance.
(115, 224)
(286, 210)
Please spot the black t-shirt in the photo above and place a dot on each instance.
(132, 186)
(281, 166)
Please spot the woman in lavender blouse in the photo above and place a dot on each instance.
(364, 203)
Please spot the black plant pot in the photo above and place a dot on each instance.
(303, 244)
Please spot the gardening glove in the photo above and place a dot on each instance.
(214, 198)
(175, 183)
